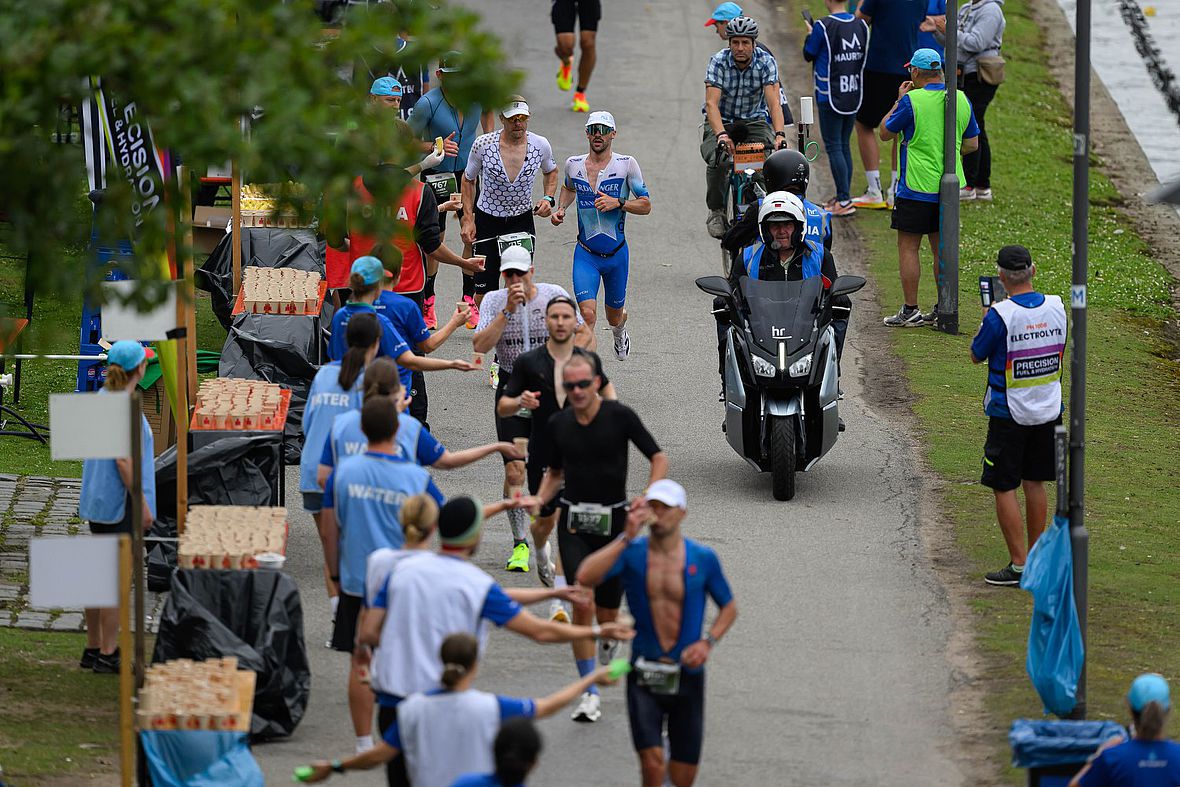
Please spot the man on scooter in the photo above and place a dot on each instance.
(784, 170)
(783, 253)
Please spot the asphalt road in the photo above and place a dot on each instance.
(835, 672)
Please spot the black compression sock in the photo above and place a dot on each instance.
(580, 89)
(429, 291)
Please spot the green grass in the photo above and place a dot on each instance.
(57, 720)
(55, 329)
(1133, 427)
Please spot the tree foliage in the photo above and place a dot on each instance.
(194, 68)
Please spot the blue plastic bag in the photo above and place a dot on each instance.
(1037, 743)
(1055, 652)
(200, 758)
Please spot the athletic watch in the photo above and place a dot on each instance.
(550, 199)
(711, 640)
(337, 766)
(596, 631)
(622, 202)
(782, 134)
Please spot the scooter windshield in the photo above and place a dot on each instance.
(782, 311)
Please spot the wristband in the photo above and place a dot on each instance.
(596, 631)
(626, 539)
(550, 199)
(711, 640)
(723, 134)
(335, 578)
(337, 766)
(622, 202)
(782, 134)
(505, 312)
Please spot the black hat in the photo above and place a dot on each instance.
(1014, 258)
(459, 521)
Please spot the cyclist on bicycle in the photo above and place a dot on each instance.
(784, 170)
(741, 99)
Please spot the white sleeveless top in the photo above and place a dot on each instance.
(1036, 345)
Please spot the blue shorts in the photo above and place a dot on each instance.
(683, 713)
(589, 267)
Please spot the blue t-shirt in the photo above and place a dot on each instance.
(434, 116)
(367, 491)
(991, 343)
(325, 400)
(702, 577)
(902, 122)
(393, 344)
(482, 780)
(510, 708)
(926, 39)
(894, 33)
(406, 319)
(816, 47)
(103, 496)
(347, 439)
(1136, 763)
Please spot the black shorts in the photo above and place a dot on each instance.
(313, 502)
(487, 227)
(914, 216)
(348, 614)
(880, 93)
(576, 547)
(114, 528)
(535, 471)
(395, 770)
(684, 712)
(564, 12)
(1014, 453)
(512, 427)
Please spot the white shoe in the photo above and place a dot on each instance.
(622, 344)
(608, 651)
(891, 195)
(557, 613)
(546, 572)
(966, 194)
(983, 195)
(715, 224)
(589, 709)
(872, 199)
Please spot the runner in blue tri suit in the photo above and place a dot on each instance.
(607, 186)
(667, 578)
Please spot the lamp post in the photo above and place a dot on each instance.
(947, 313)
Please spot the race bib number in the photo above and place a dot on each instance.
(590, 519)
(444, 184)
(657, 677)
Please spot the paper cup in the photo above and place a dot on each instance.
(477, 360)
(522, 444)
(270, 561)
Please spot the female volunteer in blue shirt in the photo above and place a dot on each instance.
(105, 502)
(450, 731)
(336, 389)
(1148, 759)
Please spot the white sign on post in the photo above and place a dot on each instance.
(90, 426)
(126, 322)
(74, 571)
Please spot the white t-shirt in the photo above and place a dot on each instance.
(526, 326)
(499, 196)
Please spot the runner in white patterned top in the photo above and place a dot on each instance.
(506, 164)
(513, 322)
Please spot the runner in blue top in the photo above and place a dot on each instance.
(607, 186)
(667, 578)
(1148, 759)
(361, 502)
(453, 729)
(413, 441)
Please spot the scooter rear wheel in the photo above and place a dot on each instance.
(782, 457)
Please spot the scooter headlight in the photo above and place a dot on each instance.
(763, 367)
(801, 367)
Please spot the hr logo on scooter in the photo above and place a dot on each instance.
(779, 333)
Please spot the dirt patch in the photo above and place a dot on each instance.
(1121, 158)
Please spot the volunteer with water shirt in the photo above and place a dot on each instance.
(360, 515)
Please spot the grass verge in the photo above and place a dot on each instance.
(1133, 426)
(57, 720)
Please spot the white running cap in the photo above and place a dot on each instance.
(516, 108)
(516, 258)
(667, 492)
(605, 118)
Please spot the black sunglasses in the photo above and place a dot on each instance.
(510, 273)
(598, 128)
(582, 384)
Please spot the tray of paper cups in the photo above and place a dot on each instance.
(240, 405)
(233, 537)
(196, 695)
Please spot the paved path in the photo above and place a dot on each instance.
(835, 671)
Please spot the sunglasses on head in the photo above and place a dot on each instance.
(582, 384)
(598, 129)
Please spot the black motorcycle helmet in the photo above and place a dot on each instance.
(786, 170)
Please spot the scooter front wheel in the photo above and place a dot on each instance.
(782, 457)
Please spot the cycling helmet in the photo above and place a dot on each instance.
(741, 26)
(781, 206)
(787, 170)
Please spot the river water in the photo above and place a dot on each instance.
(1125, 75)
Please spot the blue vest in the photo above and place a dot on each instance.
(848, 43)
(367, 494)
(812, 261)
(347, 439)
(325, 401)
(819, 223)
(103, 496)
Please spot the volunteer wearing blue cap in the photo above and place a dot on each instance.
(386, 92)
(1148, 759)
(917, 118)
(105, 501)
(722, 14)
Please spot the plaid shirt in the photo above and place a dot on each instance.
(742, 95)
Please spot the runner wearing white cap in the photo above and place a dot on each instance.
(506, 163)
(607, 186)
(667, 579)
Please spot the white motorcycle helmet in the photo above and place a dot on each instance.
(781, 206)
